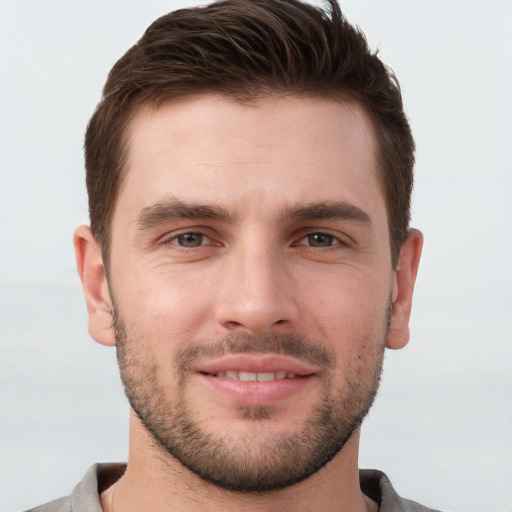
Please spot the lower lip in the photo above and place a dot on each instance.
(256, 393)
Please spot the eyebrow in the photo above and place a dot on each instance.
(174, 209)
(328, 210)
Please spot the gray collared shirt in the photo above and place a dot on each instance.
(86, 495)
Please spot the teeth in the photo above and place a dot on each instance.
(248, 376)
(263, 377)
(256, 377)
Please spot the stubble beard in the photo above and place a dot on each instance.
(254, 462)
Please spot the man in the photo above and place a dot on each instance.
(249, 171)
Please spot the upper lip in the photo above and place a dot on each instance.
(257, 363)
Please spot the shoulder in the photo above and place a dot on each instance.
(86, 494)
(60, 505)
(376, 485)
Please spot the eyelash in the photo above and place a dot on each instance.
(174, 240)
(335, 241)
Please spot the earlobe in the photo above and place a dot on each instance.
(94, 282)
(403, 287)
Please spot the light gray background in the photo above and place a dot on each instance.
(441, 427)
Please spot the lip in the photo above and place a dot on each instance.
(257, 363)
(256, 393)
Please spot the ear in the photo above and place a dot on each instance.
(94, 282)
(403, 287)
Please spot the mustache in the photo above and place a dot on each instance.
(282, 344)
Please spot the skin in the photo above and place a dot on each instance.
(258, 270)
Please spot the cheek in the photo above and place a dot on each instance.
(169, 307)
(347, 304)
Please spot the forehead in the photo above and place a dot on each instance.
(277, 149)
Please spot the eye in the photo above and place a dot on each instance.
(320, 240)
(190, 240)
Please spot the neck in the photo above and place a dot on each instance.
(157, 481)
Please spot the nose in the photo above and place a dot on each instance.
(256, 294)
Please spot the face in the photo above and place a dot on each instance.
(251, 279)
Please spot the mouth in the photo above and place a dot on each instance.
(256, 379)
(255, 376)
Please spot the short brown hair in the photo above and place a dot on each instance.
(246, 49)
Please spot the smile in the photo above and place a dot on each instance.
(255, 387)
(255, 377)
